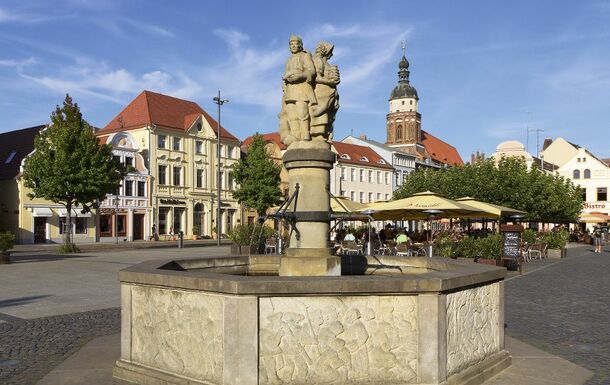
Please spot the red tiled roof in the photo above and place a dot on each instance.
(441, 151)
(161, 110)
(21, 142)
(271, 137)
(607, 161)
(356, 152)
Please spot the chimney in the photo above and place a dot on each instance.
(547, 142)
(362, 136)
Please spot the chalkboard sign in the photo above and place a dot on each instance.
(511, 246)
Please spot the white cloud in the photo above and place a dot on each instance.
(20, 17)
(18, 64)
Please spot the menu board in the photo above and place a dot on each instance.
(511, 247)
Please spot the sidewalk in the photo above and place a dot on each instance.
(109, 246)
(93, 365)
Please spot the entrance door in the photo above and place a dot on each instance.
(138, 226)
(40, 229)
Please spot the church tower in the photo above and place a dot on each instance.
(403, 122)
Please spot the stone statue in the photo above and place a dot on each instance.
(298, 94)
(310, 100)
(327, 79)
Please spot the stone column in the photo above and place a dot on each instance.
(432, 338)
(309, 254)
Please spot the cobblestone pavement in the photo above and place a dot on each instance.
(29, 349)
(564, 308)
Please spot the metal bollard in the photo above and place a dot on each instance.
(430, 250)
(180, 239)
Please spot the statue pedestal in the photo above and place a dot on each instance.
(309, 165)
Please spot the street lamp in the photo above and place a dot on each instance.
(219, 102)
(369, 245)
(116, 219)
(431, 214)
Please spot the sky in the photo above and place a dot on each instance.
(486, 71)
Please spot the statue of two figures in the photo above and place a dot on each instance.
(310, 100)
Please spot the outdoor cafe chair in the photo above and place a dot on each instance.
(350, 247)
(270, 246)
(537, 250)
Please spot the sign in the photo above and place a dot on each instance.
(511, 244)
(593, 205)
(172, 202)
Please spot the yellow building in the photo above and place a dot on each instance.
(33, 220)
(177, 140)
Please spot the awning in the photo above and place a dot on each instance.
(75, 213)
(42, 212)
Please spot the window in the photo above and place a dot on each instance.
(352, 195)
(344, 156)
(121, 225)
(584, 194)
(387, 197)
(361, 175)
(105, 225)
(378, 177)
(399, 132)
(141, 189)
(161, 139)
(361, 197)
(229, 152)
(352, 172)
(364, 159)
(163, 211)
(10, 157)
(370, 176)
(116, 158)
(587, 174)
(403, 102)
(80, 225)
(230, 181)
(411, 102)
(370, 197)
(128, 188)
(198, 147)
(387, 178)
(342, 193)
(576, 174)
(162, 175)
(129, 161)
(378, 196)
(176, 143)
(342, 173)
(199, 178)
(177, 223)
(177, 176)
(602, 194)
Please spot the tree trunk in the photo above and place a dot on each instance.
(68, 234)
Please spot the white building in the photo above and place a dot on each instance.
(586, 170)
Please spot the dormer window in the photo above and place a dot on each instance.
(364, 159)
(10, 157)
(199, 126)
(345, 156)
(381, 161)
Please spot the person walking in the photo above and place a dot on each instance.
(597, 239)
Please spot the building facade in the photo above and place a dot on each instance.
(583, 168)
(33, 220)
(177, 140)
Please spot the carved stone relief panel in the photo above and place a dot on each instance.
(338, 340)
(178, 331)
(472, 326)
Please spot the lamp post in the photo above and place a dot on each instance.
(219, 102)
(431, 213)
(116, 219)
(369, 244)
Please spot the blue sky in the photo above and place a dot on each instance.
(484, 70)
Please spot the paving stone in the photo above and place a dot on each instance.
(562, 307)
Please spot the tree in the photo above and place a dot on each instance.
(69, 166)
(258, 177)
(545, 197)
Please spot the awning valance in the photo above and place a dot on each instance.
(42, 212)
(75, 213)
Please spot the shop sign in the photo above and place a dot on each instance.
(594, 205)
(172, 202)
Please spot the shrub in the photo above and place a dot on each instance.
(251, 234)
(68, 248)
(490, 247)
(6, 241)
(529, 236)
(466, 248)
(555, 239)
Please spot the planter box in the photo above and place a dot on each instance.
(5, 257)
(484, 261)
(556, 253)
(242, 250)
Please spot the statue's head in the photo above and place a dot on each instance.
(295, 43)
(324, 49)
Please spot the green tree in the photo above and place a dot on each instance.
(69, 166)
(545, 197)
(258, 177)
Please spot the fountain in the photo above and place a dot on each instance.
(308, 317)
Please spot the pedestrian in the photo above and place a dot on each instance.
(597, 239)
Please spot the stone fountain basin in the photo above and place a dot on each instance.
(228, 320)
